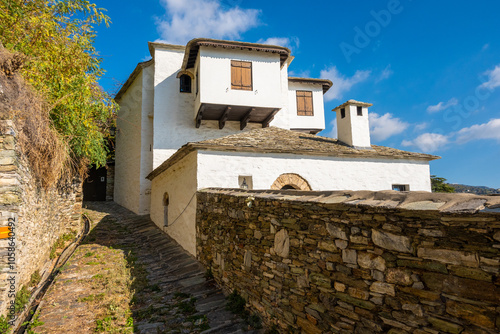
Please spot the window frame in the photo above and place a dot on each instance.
(342, 112)
(401, 187)
(182, 83)
(359, 110)
(304, 111)
(239, 67)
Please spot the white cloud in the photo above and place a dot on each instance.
(493, 78)
(186, 20)
(385, 126)
(490, 130)
(421, 126)
(301, 74)
(442, 105)
(333, 131)
(428, 142)
(341, 84)
(291, 43)
(386, 73)
(485, 47)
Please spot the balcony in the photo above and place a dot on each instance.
(236, 113)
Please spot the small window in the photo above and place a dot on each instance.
(304, 103)
(185, 81)
(241, 75)
(165, 209)
(401, 187)
(360, 111)
(342, 113)
(197, 83)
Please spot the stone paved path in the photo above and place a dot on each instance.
(169, 292)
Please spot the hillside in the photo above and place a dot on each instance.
(478, 190)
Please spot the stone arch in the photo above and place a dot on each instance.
(290, 181)
(181, 73)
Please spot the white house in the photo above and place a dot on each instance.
(225, 114)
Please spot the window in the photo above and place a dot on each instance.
(401, 187)
(197, 83)
(360, 111)
(304, 103)
(241, 75)
(185, 81)
(165, 209)
(342, 113)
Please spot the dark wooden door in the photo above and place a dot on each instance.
(94, 187)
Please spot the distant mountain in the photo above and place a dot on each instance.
(478, 190)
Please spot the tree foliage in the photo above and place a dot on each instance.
(57, 37)
(439, 185)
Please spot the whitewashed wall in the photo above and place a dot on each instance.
(146, 139)
(317, 121)
(128, 148)
(221, 169)
(215, 78)
(180, 184)
(203, 169)
(354, 130)
(174, 123)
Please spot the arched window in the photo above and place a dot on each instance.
(185, 82)
(165, 209)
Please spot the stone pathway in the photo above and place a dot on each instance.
(167, 288)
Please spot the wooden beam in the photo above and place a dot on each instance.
(223, 117)
(199, 116)
(244, 120)
(269, 118)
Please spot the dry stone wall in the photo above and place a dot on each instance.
(357, 262)
(39, 217)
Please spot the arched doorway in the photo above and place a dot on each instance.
(290, 181)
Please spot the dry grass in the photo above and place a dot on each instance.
(46, 152)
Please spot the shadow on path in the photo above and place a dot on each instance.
(158, 287)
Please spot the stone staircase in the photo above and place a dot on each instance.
(177, 277)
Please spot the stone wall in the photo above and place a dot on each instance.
(357, 262)
(40, 217)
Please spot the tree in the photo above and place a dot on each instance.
(439, 185)
(57, 37)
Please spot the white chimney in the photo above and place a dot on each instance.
(353, 127)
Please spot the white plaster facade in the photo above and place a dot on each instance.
(135, 137)
(180, 183)
(202, 169)
(353, 128)
(297, 122)
(157, 121)
(152, 105)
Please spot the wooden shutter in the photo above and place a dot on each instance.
(304, 103)
(241, 75)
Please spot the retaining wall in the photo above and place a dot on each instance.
(357, 262)
(40, 216)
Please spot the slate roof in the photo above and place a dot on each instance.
(276, 140)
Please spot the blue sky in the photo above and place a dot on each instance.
(430, 68)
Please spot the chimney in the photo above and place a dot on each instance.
(353, 127)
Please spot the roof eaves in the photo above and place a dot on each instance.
(193, 46)
(327, 84)
(153, 45)
(174, 158)
(354, 103)
(132, 77)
